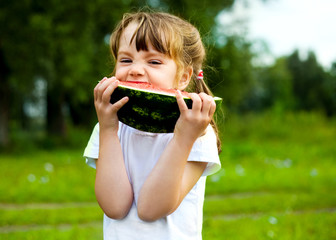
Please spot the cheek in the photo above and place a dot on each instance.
(173, 72)
(176, 76)
(119, 73)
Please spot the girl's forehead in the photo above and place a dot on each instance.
(143, 38)
(129, 33)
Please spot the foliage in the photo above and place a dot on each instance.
(62, 46)
(312, 87)
(233, 63)
(291, 83)
(272, 88)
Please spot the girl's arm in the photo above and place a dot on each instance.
(173, 177)
(112, 187)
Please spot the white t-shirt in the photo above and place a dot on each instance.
(141, 151)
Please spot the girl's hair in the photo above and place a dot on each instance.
(171, 36)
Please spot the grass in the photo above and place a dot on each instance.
(285, 226)
(46, 176)
(277, 181)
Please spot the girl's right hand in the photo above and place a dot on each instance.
(107, 112)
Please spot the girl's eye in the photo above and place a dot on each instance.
(125, 60)
(155, 62)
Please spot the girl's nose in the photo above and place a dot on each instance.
(137, 70)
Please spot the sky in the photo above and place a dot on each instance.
(286, 25)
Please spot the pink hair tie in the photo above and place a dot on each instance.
(200, 75)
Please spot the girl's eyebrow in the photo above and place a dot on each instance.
(148, 54)
(154, 53)
(124, 53)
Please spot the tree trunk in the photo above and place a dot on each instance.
(4, 102)
(56, 125)
(4, 118)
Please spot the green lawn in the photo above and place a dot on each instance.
(278, 181)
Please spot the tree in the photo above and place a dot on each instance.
(63, 44)
(329, 92)
(276, 86)
(17, 63)
(4, 96)
(234, 78)
(309, 81)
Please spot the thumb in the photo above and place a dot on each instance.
(119, 104)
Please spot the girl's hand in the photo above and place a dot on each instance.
(107, 112)
(193, 122)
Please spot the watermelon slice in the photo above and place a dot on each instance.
(149, 108)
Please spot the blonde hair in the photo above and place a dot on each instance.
(171, 36)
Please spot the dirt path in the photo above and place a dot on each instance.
(233, 217)
(18, 206)
(98, 224)
(60, 227)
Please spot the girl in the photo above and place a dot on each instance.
(151, 185)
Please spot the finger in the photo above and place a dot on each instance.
(101, 81)
(95, 90)
(206, 102)
(212, 108)
(119, 104)
(95, 94)
(106, 96)
(101, 87)
(197, 102)
(209, 105)
(180, 102)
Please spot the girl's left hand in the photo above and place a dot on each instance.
(193, 122)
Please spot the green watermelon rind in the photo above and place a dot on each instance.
(149, 111)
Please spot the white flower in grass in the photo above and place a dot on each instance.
(240, 171)
(272, 220)
(278, 163)
(48, 167)
(313, 172)
(216, 177)
(44, 179)
(270, 234)
(287, 163)
(31, 177)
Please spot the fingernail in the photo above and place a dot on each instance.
(102, 79)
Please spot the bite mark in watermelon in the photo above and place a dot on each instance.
(149, 108)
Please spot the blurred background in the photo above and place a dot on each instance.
(52, 54)
(272, 61)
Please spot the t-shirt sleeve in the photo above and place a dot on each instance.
(92, 149)
(205, 150)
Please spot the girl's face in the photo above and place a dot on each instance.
(145, 66)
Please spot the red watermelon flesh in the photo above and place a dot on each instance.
(150, 87)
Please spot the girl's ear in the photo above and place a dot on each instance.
(185, 79)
